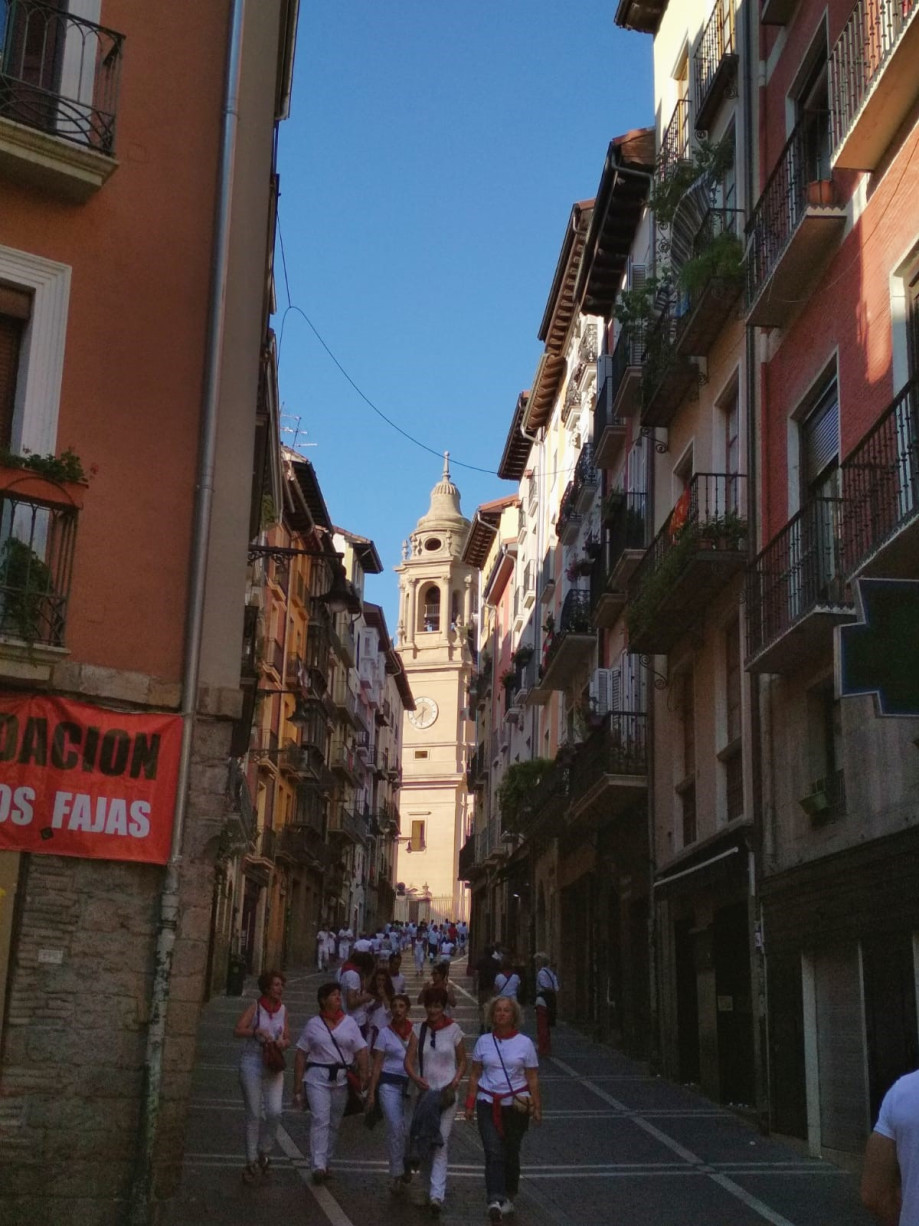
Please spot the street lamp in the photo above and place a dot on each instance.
(341, 596)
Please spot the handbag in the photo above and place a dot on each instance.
(273, 1060)
(355, 1104)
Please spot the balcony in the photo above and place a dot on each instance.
(700, 548)
(675, 140)
(585, 480)
(571, 644)
(796, 591)
(714, 65)
(712, 280)
(873, 80)
(667, 375)
(298, 841)
(59, 79)
(528, 594)
(609, 429)
(346, 702)
(38, 528)
(568, 524)
(628, 360)
(626, 542)
(343, 645)
(350, 825)
(344, 763)
(547, 582)
(880, 485)
(468, 863)
(610, 773)
(794, 229)
(477, 769)
(544, 816)
(316, 658)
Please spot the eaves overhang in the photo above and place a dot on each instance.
(544, 393)
(617, 212)
(481, 534)
(644, 16)
(500, 574)
(562, 306)
(364, 550)
(517, 447)
(305, 509)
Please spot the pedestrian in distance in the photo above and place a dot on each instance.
(436, 1063)
(485, 970)
(547, 989)
(322, 948)
(353, 978)
(329, 1045)
(379, 1008)
(419, 949)
(503, 1096)
(389, 1088)
(395, 972)
(890, 1174)
(440, 978)
(263, 1025)
(507, 981)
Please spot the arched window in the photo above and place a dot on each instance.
(430, 608)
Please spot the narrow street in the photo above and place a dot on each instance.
(615, 1145)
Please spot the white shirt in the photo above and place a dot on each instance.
(393, 1049)
(352, 980)
(439, 1061)
(545, 979)
(507, 985)
(378, 1018)
(518, 1054)
(398, 983)
(317, 1042)
(898, 1120)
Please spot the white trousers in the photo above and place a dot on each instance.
(327, 1106)
(438, 1165)
(397, 1115)
(263, 1096)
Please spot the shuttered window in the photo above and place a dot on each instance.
(15, 307)
(820, 439)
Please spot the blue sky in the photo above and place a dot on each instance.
(428, 168)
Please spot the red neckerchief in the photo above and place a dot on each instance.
(403, 1029)
(334, 1018)
(511, 1034)
(349, 966)
(270, 1006)
(442, 1024)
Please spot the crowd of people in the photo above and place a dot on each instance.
(363, 1051)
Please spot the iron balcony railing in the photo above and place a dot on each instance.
(629, 352)
(675, 140)
(710, 508)
(880, 479)
(59, 73)
(36, 564)
(585, 471)
(568, 515)
(715, 46)
(779, 210)
(799, 570)
(619, 748)
(548, 800)
(573, 619)
(628, 527)
(860, 54)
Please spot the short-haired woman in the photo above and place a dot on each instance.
(263, 1022)
(436, 1061)
(328, 1046)
(440, 978)
(504, 1096)
(389, 1086)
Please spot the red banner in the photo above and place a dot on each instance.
(78, 780)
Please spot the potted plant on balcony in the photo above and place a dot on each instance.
(25, 582)
(612, 505)
(49, 479)
(723, 532)
(523, 655)
(708, 165)
(821, 193)
(721, 259)
(592, 546)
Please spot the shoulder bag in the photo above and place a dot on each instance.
(272, 1056)
(355, 1104)
(520, 1102)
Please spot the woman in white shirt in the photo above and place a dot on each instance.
(389, 1085)
(547, 988)
(504, 1096)
(507, 981)
(436, 1060)
(265, 1021)
(328, 1046)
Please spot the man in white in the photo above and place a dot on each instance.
(345, 937)
(322, 949)
(890, 1175)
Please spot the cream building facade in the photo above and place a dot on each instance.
(438, 601)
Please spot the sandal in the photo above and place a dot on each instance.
(250, 1172)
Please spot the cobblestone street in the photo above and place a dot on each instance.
(615, 1145)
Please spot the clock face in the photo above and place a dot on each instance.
(424, 714)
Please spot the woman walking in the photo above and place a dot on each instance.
(379, 1008)
(504, 1096)
(329, 1045)
(547, 988)
(440, 978)
(435, 1062)
(389, 1087)
(264, 1027)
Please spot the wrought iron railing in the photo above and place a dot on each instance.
(573, 619)
(711, 508)
(585, 470)
(717, 41)
(880, 478)
(59, 73)
(628, 527)
(547, 800)
(779, 210)
(36, 563)
(675, 140)
(628, 353)
(800, 569)
(859, 56)
(567, 513)
(620, 748)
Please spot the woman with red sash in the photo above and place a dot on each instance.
(264, 1021)
(504, 1097)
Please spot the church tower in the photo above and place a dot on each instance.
(438, 595)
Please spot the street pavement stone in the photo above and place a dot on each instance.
(616, 1145)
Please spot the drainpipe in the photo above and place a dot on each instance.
(757, 950)
(140, 1212)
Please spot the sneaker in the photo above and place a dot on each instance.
(320, 1176)
(434, 1207)
(494, 1211)
(250, 1172)
(264, 1165)
(507, 1206)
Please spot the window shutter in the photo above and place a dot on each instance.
(820, 437)
(613, 689)
(638, 275)
(15, 308)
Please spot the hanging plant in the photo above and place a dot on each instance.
(65, 467)
(710, 162)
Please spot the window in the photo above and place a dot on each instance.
(15, 309)
(812, 106)
(732, 755)
(730, 410)
(431, 608)
(825, 797)
(820, 445)
(687, 787)
(417, 843)
(421, 753)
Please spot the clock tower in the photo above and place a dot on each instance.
(438, 595)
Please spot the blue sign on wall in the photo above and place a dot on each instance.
(879, 654)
